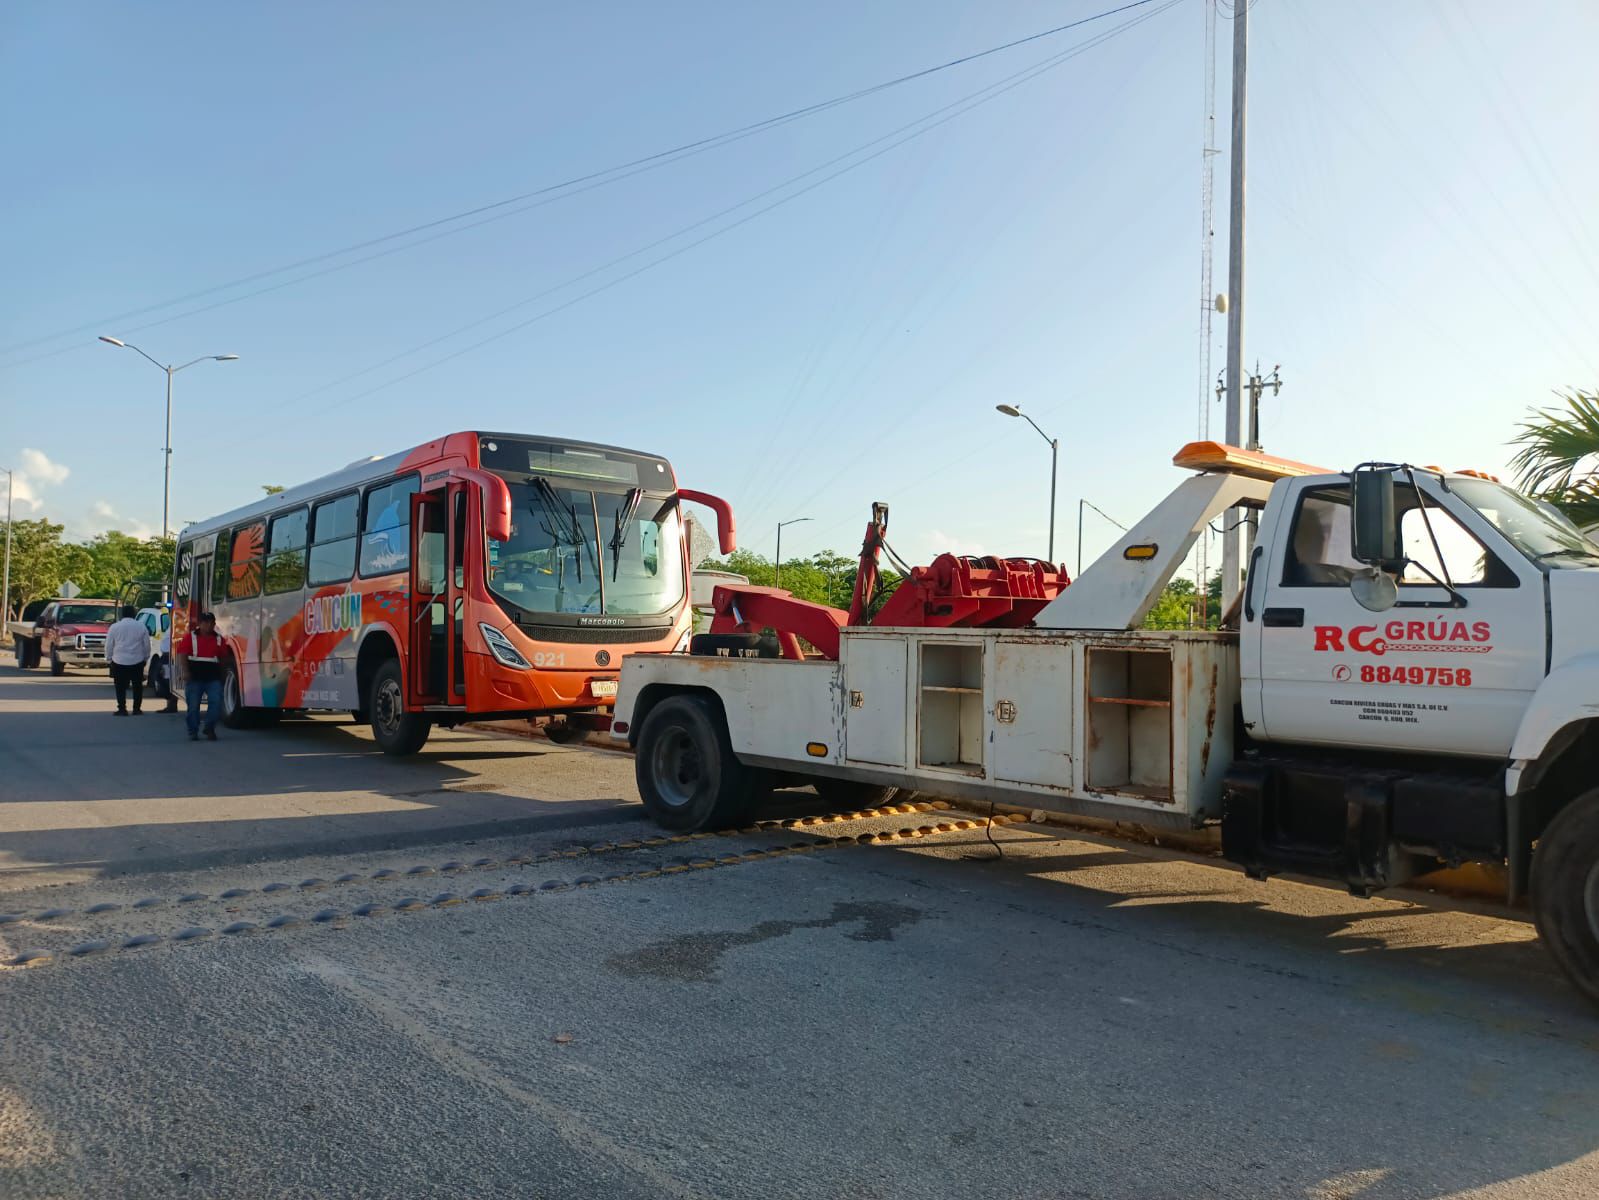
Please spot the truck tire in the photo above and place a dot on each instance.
(734, 645)
(30, 647)
(57, 667)
(23, 653)
(396, 731)
(688, 776)
(851, 793)
(1565, 891)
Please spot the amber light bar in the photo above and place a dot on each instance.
(1234, 460)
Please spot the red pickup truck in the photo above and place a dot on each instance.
(69, 633)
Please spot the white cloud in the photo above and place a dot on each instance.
(37, 466)
(34, 472)
(102, 517)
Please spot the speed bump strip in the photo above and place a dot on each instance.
(420, 870)
(333, 916)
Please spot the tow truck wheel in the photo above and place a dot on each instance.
(687, 774)
(1565, 891)
(57, 667)
(396, 731)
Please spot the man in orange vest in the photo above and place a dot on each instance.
(198, 655)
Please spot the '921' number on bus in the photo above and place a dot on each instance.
(1440, 676)
(549, 658)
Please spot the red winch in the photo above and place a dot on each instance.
(956, 591)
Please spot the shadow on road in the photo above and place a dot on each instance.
(86, 790)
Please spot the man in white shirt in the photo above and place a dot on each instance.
(127, 649)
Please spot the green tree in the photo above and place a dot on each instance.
(825, 578)
(1176, 608)
(115, 558)
(37, 561)
(1559, 456)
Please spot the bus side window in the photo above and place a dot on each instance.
(333, 534)
(386, 536)
(285, 566)
(245, 563)
(219, 574)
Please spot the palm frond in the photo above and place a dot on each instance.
(1554, 446)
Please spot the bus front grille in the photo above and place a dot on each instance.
(591, 635)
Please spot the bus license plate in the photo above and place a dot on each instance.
(603, 689)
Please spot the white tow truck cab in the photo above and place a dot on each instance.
(1411, 679)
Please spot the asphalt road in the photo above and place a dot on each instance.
(84, 793)
(723, 1017)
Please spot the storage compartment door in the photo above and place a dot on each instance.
(1031, 717)
(874, 700)
(1128, 735)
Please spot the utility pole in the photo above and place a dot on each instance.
(5, 588)
(1258, 383)
(1231, 558)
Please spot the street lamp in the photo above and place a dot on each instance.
(777, 567)
(166, 474)
(1012, 410)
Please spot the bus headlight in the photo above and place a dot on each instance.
(500, 646)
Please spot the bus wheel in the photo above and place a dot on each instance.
(234, 714)
(1565, 891)
(396, 731)
(687, 774)
(851, 793)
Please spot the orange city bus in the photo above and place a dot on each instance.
(480, 575)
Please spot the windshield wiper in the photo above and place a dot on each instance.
(564, 515)
(625, 513)
(1577, 550)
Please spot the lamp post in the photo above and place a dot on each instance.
(169, 371)
(777, 567)
(1012, 410)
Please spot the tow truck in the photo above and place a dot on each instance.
(1409, 679)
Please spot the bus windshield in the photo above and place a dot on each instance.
(573, 550)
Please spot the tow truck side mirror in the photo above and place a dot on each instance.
(1376, 531)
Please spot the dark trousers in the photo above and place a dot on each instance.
(209, 690)
(124, 677)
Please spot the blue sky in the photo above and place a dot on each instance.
(1423, 255)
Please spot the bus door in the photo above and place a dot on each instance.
(437, 597)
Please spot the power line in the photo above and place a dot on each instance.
(619, 171)
(961, 107)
